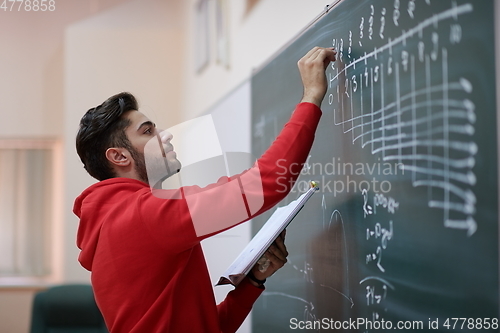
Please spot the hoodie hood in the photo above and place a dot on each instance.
(94, 207)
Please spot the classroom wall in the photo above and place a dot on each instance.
(31, 63)
(254, 36)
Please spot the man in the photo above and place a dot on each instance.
(144, 252)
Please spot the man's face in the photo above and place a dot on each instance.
(140, 131)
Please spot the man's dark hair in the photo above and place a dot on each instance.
(101, 128)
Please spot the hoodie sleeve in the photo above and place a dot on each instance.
(237, 305)
(198, 213)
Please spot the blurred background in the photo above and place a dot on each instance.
(58, 58)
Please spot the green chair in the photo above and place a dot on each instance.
(66, 309)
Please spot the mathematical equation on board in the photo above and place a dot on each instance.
(425, 126)
(398, 101)
(379, 234)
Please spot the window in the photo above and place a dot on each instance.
(28, 204)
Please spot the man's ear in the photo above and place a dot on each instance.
(119, 156)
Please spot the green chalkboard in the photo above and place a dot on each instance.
(404, 230)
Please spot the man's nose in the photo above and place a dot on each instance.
(165, 136)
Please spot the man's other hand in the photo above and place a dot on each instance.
(276, 254)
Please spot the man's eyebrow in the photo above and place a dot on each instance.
(146, 123)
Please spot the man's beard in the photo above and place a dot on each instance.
(160, 167)
(140, 164)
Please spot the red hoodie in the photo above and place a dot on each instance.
(148, 269)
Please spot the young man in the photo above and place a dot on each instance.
(144, 252)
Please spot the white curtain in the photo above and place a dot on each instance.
(25, 211)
